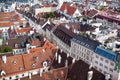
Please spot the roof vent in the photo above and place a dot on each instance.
(3, 73)
(4, 59)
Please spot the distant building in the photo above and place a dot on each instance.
(70, 10)
(83, 48)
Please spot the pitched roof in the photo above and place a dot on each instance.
(16, 43)
(6, 24)
(92, 12)
(86, 42)
(24, 30)
(13, 64)
(48, 45)
(54, 74)
(26, 62)
(8, 18)
(70, 9)
(64, 34)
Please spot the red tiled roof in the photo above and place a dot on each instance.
(8, 18)
(24, 30)
(35, 42)
(10, 66)
(0, 31)
(70, 9)
(24, 62)
(48, 45)
(6, 24)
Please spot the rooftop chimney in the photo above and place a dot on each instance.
(4, 59)
(16, 45)
(41, 71)
(28, 51)
(43, 50)
(29, 74)
(90, 74)
(59, 59)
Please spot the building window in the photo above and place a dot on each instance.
(105, 72)
(111, 70)
(97, 56)
(106, 61)
(10, 77)
(106, 67)
(22, 74)
(101, 59)
(112, 64)
(96, 62)
(100, 70)
(95, 67)
(101, 64)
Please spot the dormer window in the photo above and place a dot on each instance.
(36, 58)
(14, 62)
(33, 65)
(3, 73)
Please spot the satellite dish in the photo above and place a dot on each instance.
(45, 64)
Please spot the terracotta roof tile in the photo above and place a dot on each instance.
(26, 62)
(48, 45)
(6, 24)
(70, 9)
(35, 42)
(24, 30)
(13, 64)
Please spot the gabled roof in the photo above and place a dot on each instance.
(14, 64)
(86, 42)
(64, 34)
(70, 9)
(17, 43)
